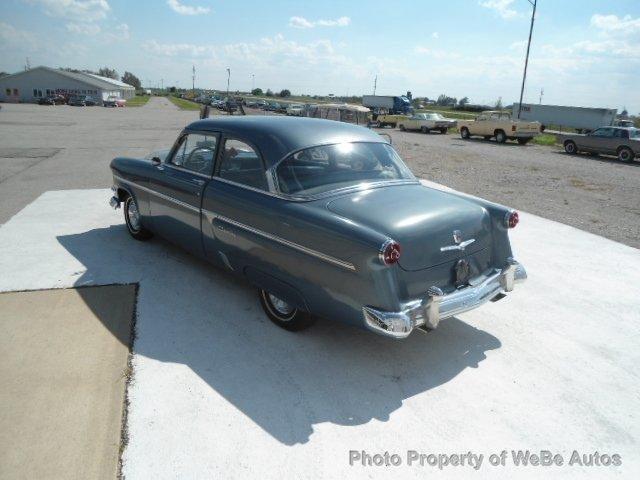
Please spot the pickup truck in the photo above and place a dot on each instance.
(499, 125)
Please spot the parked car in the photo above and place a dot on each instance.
(324, 218)
(425, 122)
(295, 110)
(272, 107)
(113, 101)
(500, 125)
(621, 142)
(52, 100)
(624, 123)
(229, 106)
(82, 101)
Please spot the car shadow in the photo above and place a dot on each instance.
(599, 158)
(193, 314)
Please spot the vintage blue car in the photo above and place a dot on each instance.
(324, 219)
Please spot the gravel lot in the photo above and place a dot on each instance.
(54, 148)
(593, 193)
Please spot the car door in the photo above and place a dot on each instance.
(599, 140)
(479, 126)
(177, 185)
(238, 209)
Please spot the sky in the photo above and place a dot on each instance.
(583, 52)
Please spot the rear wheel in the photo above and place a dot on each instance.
(501, 137)
(133, 219)
(625, 154)
(424, 129)
(464, 133)
(523, 141)
(570, 147)
(402, 127)
(443, 131)
(283, 314)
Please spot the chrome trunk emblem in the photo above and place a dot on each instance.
(460, 245)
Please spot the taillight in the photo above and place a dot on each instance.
(511, 219)
(390, 252)
(513, 128)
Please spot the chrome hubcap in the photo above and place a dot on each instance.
(134, 215)
(282, 307)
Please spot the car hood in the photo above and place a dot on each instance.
(421, 219)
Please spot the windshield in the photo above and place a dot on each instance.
(328, 167)
(634, 133)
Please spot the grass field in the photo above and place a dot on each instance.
(138, 101)
(545, 139)
(183, 104)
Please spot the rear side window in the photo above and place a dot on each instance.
(241, 163)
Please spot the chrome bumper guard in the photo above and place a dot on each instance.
(114, 202)
(435, 306)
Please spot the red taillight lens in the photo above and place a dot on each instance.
(512, 218)
(390, 253)
(513, 128)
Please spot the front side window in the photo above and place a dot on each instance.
(329, 167)
(241, 163)
(196, 153)
(603, 132)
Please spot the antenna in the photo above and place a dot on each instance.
(375, 84)
(541, 94)
(193, 79)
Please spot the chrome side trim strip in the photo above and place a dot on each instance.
(301, 248)
(158, 194)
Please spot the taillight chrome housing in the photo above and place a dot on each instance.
(511, 219)
(389, 252)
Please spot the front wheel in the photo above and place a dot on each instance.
(501, 137)
(625, 154)
(133, 219)
(283, 314)
(443, 131)
(424, 129)
(523, 141)
(570, 147)
(402, 127)
(464, 133)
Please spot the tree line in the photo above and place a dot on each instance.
(128, 77)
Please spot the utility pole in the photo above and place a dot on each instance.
(162, 84)
(375, 84)
(541, 95)
(193, 80)
(526, 60)
(228, 80)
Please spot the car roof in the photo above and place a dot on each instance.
(276, 137)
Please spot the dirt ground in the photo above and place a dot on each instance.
(598, 194)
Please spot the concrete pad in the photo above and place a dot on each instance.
(63, 359)
(220, 392)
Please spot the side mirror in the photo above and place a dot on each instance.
(155, 161)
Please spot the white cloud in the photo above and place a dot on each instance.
(83, 28)
(436, 53)
(615, 24)
(11, 35)
(79, 10)
(501, 7)
(174, 49)
(182, 9)
(119, 33)
(301, 22)
(435, 35)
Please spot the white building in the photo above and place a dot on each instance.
(38, 82)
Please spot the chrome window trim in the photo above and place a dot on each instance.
(301, 248)
(158, 194)
(186, 170)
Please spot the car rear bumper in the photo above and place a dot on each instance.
(427, 312)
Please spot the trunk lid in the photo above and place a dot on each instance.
(421, 219)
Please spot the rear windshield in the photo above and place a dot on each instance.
(329, 167)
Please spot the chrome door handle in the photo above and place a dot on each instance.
(198, 182)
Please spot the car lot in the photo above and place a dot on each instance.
(219, 391)
(48, 148)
